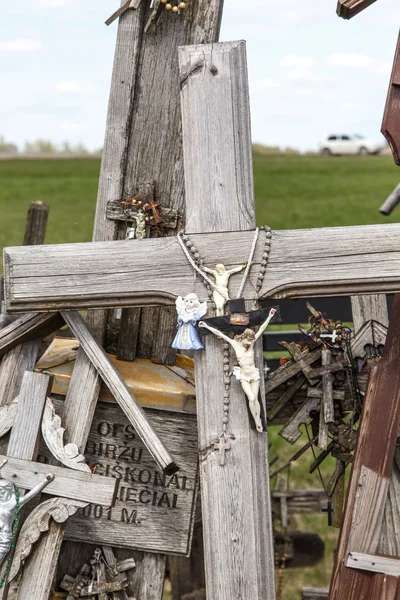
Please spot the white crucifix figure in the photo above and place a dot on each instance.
(246, 372)
(222, 275)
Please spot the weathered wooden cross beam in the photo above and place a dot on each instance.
(312, 262)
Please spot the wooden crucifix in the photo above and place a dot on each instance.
(220, 222)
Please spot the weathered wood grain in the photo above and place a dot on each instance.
(349, 8)
(240, 562)
(390, 123)
(36, 223)
(300, 501)
(153, 512)
(373, 456)
(68, 483)
(374, 563)
(26, 328)
(389, 542)
(360, 260)
(119, 389)
(24, 438)
(369, 308)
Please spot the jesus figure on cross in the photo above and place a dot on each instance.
(246, 372)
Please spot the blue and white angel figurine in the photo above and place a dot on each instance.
(190, 310)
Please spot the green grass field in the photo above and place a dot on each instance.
(291, 192)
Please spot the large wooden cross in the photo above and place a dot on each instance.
(221, 222)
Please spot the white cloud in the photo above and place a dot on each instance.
(73, 87)
(21, 45)
(71, 126)
(293, 61)
(360, 61)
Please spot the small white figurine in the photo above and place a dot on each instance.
(246, 372)
(222, 276)
(10, 505)
(189, 310)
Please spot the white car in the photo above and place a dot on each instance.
(349, 144)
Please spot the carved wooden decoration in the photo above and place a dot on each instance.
(53, 435)
(7, 416)
(58, 509)
(391, 118)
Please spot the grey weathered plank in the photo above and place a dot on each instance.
(68, 483)
(26, 328)
(374, 563)
(153, 512)
(360, 260)
(369, 308)
(219, 197)
(24, 437)
(36, 223)
(119, 389)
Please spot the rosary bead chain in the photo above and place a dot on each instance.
(175, 8)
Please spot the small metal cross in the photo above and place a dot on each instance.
(129, 4)
(222, 446)
(329, 510)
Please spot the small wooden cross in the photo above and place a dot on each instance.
(222, 446)
(129, 4)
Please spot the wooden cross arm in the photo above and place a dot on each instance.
(303, 263)
(349, 8)
(67, 483)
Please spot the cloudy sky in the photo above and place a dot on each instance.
(311, 73)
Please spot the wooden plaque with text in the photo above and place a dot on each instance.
(154, 512)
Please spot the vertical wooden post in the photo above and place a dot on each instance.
(24, 438)
(219, 197)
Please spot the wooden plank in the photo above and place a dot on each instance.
(24, 437)
(300, 501)
(153, 512)
(371, 468)
(36, 223)
(26, 328)
(391, 201)
(120, 390)
(69, 483)
(327, 388)
(314, 594)
(350, 8)
(390, 123)
(360, 260)
(239, 563)
(374, 563)
(369, 308)
(290, 369)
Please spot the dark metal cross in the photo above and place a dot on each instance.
(329, 510)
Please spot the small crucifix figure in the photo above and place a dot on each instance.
(246, 372)
(222, 446)
(222, 275)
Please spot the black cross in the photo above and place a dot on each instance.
(329, 510)
(238, 319)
